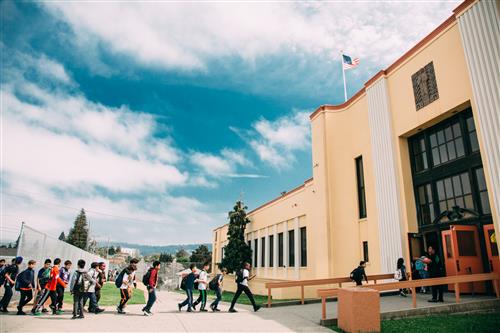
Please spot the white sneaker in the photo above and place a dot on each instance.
(147, 313)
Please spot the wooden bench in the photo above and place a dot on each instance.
(413, 284)
(317, 282)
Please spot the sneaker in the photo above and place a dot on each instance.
(216, 310)
(402, 294)
(441, 301)
(98, 310)
(21, 313)
(74, 317)
(194, 307)
(179, 306)
(189, 310)
(432, 300)
(120, 311)
(4, 310)
(44, 310)
(256, 308)
(59, 312)
(203, 310)
(146, 313)
(232, 310)
(37, 314)
(80, 317)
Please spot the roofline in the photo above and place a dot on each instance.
(417, 47)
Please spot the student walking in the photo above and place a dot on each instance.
(41, 281)
(358, 274)
(101, 279)
(25, 284)
(2, 268)
(421, 267)
(401, 274)
(216, 285)
(50, 289)
(10, 274)
(242, 278)
(188, 285)
(150, 280)
(93, 275)
(79, 283)
(435, 270)
(202, 288)
(64, 274)
(126, 279)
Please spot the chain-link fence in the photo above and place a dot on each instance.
(38, 246)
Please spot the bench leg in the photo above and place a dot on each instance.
(457, 292)
(323, 308)
(496, 283)
(414, 297)
(268, 297)
(301, 294)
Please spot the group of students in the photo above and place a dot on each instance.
(50, 283)
(427, 266)
(199, 280)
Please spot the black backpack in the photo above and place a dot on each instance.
(183, 282)
(79, 282)
(119, 278)
(2, 275)
(146, 277)
(214, 283)
(239, 276)
(356, 275)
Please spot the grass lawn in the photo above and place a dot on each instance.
(456, 323)
(110, 295)
(227, 296)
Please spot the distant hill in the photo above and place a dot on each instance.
(151, 249)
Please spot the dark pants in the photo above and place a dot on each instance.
(189, 300)
(246, 290)
(218, 295)
(359, 283)
(78, 304)
(437, 290)
(125, 296)
(201, 299)
(97, 296)
(151, 299)
(92, 303)
(26, 296)
(4, 303)
(60, 296)
(45, 294)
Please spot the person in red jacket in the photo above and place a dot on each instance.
(50, 289)
(152, 282)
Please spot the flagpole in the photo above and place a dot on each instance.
(343, 74)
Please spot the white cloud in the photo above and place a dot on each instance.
(223, 165)
(275, 142)
(188, 35)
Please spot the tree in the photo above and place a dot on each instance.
(118, 249)
(166, 257)
(201, 255)
(111, 251)
(62, 236)
(182, 255)
(79, 234)
(236, 252)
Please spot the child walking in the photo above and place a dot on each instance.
(202, 288)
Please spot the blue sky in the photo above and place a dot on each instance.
(155, 117)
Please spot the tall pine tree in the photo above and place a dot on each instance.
(62, 236)
(236, 252)
(79, 234)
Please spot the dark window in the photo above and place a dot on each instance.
(291, 248)
(222, 253)
(471, 128)
(361, 187)
(446, 144)
(303, 247)
(425, 209)
(255, 252)
(483, 191)
(249, 243)
(366, 257)
(271, 251)
(466, 243)
(280, 249)
(449, 249)
(420, 154)
(263, 252)
(455, 191)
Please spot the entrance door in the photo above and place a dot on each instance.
(492, 248)
(462, 255)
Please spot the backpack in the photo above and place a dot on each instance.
(356, 275)
(45, 277)
(82, 282)
(419, 265)
(239, 276)
(183, 282)
(2, 275)
(398, 275)
(146, 277)
(119, 278)
(17, 285)
(214, 283)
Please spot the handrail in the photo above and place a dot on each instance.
(316, 282)
(412, 284)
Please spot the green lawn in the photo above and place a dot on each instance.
(477, 323)
(110, 295)
(227, 296)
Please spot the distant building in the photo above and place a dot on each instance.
(130, 251)
(411, 160)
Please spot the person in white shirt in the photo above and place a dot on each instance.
(242, 278)
(202, 288)
(126, 287)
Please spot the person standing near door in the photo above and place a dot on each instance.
(435, 269)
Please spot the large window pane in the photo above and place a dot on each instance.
(280, 249)
(271, 251)
(291, 248)
(360, 180)
(303, 247)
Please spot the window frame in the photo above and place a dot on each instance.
(361, 187)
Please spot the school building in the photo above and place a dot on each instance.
(411, 160)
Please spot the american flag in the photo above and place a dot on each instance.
(348, 62)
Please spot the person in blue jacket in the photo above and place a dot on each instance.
(25, 283)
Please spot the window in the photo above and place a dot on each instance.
(303, 247)
(271, 251)
(366, 257)
(425, 209)
(256, 252)
(222, 253)
(263, 252)
(483, 191)
(420, 154)
(216, 236)
(449, 249)
(447, 144)
(291, 248)
(280, 249)
(471, 128)
(361, 187)
(455, 191)
(466, 243)
(249, 243)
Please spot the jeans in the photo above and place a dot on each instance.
(93, 301)
(125, 296)
(26, 296)
(151, 299)
(218, 295)
(60, 296)
(246, 290)
(78, 304)
(201, 299)
(4, 303)
(189, 300)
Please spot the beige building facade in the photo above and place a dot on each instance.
(411, 160)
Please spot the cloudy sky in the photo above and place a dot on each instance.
(156, 116)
